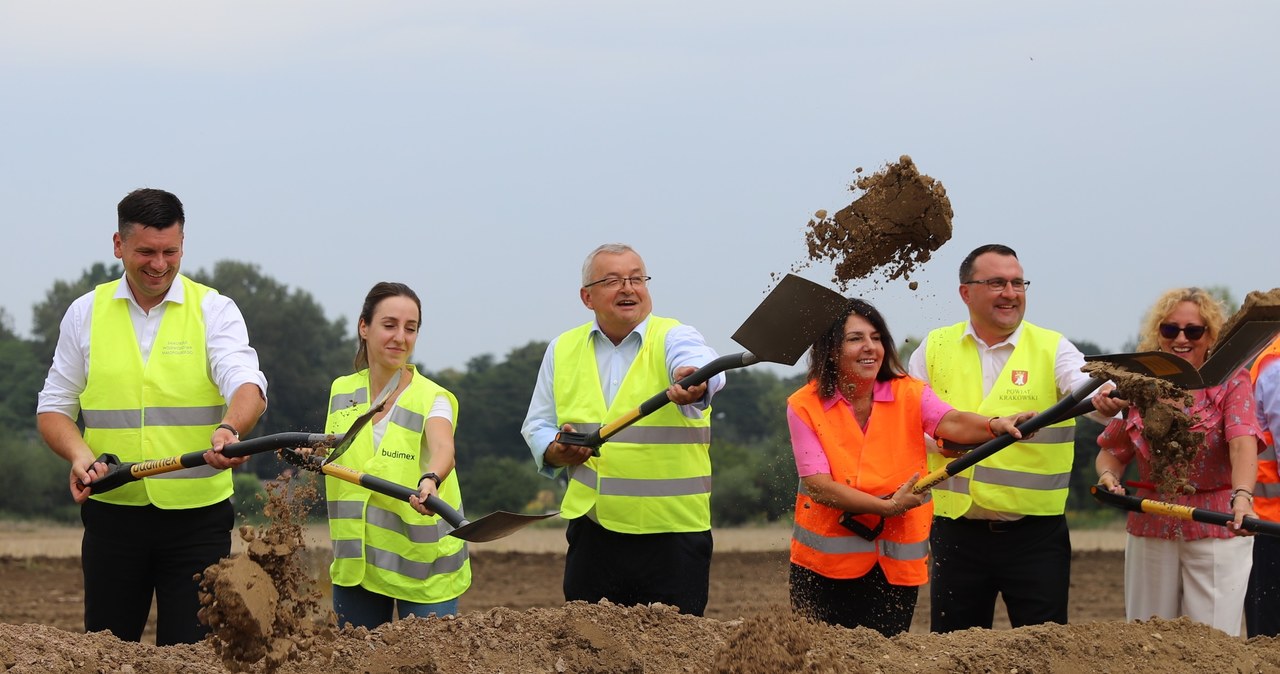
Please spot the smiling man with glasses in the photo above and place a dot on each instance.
(999, 528)
(640, 514)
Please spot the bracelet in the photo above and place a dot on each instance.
(897, 507)
(229, 427)
(1107, 471)
(434, 478)
(1236, 492)
(989, 429)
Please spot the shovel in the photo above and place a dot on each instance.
(121, 473)
(780, 330)
(1143, 505)
(488, 528)
(1243, 343)
(1048, 417)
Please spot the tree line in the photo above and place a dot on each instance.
(301, 351)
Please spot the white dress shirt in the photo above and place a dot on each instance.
(684, 346)
(232, 362)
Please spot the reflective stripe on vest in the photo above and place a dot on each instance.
(162, 408)
(655, 475)
(1266, 494)
(1028, 477)
(876, 461)
(380, 543)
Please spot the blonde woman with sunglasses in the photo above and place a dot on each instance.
(1176, 567)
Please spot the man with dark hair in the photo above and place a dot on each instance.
(639, 514)
(999, 528)
(155, 365)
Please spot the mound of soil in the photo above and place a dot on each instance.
(900, 219)
(602, 638)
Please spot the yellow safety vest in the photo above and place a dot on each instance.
(655, 475)
(1028, 477)
(1266, 495)
(165, 407)
(380, 543)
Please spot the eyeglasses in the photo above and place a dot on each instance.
(1193, 332)
(615, 282)
(998, 284)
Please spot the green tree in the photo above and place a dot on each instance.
(299, 350)
(493, 399)
(499, 483)
(46, 316)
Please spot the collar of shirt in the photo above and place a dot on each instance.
(1011, 341)
(176, 293)
(637, 332)
(882, 392)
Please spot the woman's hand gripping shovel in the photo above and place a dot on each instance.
(488, 528)
(121, 473)
(1183, 512)
(780, 330)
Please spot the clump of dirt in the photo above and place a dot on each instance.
(262, 605)
(900, 219)
(1166, 424)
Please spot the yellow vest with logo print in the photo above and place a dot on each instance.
(164, 407)
(653, 476)
(1029, 477)
(380, 543)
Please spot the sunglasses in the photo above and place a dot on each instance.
(1193, 332)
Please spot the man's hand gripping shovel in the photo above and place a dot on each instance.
(780, 330)
(121, 473)
(1250, 332)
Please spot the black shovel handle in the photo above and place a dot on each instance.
(1083, 407)
(1145, 505)
(1046, 418)
(395, 491)
(121, 473)
(598, 437)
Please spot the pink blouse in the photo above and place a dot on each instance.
(1222, 413)
(811, 460)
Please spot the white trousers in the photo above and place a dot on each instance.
(1204, 579)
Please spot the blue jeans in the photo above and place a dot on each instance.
(363, 608)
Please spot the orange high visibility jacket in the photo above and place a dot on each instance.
(877, 461)
(1266, 495)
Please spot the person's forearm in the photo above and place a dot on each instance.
(1244, 462)
(244, 408)
(63, 437)
(1108, 463)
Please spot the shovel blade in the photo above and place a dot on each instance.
(1240, 347)
(1157, 364)
(789, 319)
(496, 525)
(1245, 342)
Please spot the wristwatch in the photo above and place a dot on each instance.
(230, 428)
(434, 478)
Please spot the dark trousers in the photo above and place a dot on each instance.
(130, 553)
(630, 569)
(870, 601)
(1028, 562)
(1262, 602)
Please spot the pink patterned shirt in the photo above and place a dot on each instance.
(812, 460)
(1224, 412)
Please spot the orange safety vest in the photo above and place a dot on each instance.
(877, 462)
(1266, 495)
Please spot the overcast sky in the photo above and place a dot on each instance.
(478, 151)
